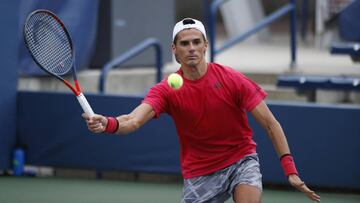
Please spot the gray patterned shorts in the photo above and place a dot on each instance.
(219, 186)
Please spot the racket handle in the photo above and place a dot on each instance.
(85, 104)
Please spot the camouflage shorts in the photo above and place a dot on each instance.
(219, 186)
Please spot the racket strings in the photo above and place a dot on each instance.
(49, 43)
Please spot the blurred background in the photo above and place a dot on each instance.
(304, 53)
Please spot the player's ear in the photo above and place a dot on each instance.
(206, 44)
(173, 48)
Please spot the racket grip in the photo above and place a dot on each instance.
(85, 104)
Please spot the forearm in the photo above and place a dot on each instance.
(127, 124)
(273, 128)
(133, 121)
(278, 138)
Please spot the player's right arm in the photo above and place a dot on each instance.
(126, 123)
(137, 118)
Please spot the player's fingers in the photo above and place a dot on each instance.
(94, 124)
(311, 194)
(301, 186)
(96, 128)
(95, 119)
(99, 129)
(85, 116)
(315, 197)
(91, 119)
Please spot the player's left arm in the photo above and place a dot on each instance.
(266, 119)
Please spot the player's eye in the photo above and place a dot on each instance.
(197, 42)
(184, 43)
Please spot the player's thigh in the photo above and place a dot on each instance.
(247, 194)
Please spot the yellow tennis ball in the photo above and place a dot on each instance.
(175, 81)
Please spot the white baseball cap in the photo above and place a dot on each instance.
(188, 23)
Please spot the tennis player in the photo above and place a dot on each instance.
(218, 154)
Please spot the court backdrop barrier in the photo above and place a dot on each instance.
(9, 17)
(324, 139)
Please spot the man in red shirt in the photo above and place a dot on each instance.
(218, 154)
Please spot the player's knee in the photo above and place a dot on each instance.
(247, 194)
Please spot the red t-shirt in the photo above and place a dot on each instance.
(210, 117)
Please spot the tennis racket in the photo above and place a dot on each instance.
(50, 46)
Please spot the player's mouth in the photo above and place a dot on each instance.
(192, 57)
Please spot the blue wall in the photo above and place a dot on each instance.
(8, 78)
(324, 139)
(57, 135)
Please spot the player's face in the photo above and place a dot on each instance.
(190, 47)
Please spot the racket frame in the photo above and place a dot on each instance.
(76, 90)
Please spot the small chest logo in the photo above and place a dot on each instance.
(218, 85)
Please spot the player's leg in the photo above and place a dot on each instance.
(247, 194)
(246, 186)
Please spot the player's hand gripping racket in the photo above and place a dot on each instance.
(50, 45)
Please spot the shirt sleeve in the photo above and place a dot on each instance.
(248, 93)
(157, 99)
